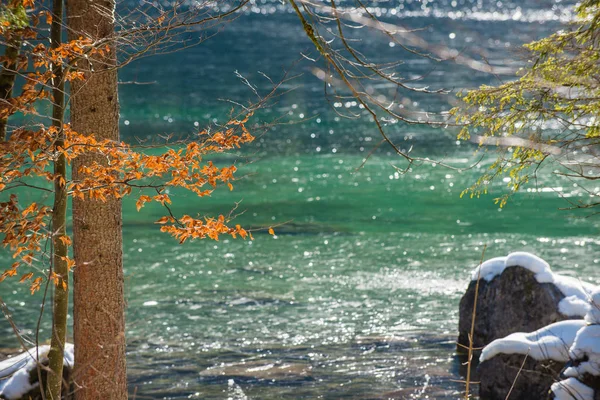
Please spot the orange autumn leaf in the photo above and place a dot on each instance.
(26, 276)
(70, 262)
(27, 258)
(28, 155)
(65, 240)
(271, 231)
(32, 207)
(10, 272)
(141, 201)
(35, 285)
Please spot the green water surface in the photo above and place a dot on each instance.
(356, 296)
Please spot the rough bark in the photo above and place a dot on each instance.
(98, 312)
(7, 81)
(60, 303)
(14, 40)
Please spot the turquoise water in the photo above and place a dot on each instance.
(356, 296)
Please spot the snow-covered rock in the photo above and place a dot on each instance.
(518, 293)
(503, 374)
(568, 351)
(576, 292)
(19, 377)
(552, 342)
(582, 375)
(526, 364)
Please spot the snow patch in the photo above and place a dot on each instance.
(551, 342)
(541, 269)
(573, 306)
(588, 367)
(572, 389)
(586, 343)
(593, 314)
(586, 347)
(14, 372)
(576, 292)
(489, 269)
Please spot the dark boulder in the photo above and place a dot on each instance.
(513, 301)
(503, 374)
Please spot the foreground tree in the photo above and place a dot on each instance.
(104, 170)
(551, 114)
(99, 303)
(98, 296)
(58, 225)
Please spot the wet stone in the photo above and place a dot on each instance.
(511, 302)
(507, 374)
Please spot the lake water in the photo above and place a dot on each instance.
(357, 294)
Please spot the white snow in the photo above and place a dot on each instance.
(572, 389)
(541, 269)
(577, 293)
(586, 347)
(573, 306)
(14, 372)
(587, 343)
(551, 342)
(489, 269)
(593, 314)
(17, 386)
(589, 367)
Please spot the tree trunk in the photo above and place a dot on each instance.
(60, 303)
(14, 40)
(7, 80)
(99, 305)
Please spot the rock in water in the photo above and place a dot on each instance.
(520, 293)
(532, 382)
(513, 301)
